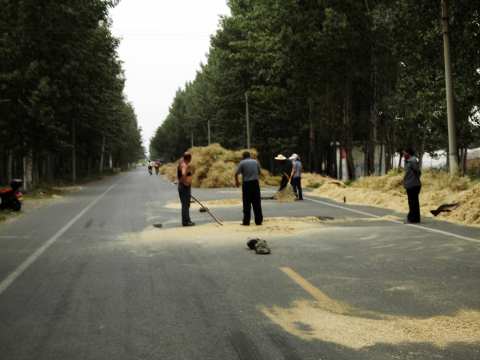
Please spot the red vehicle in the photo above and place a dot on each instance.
(11, 198)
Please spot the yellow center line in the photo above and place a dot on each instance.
(323, 300)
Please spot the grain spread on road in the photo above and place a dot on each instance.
(329, 320)
(209, 204)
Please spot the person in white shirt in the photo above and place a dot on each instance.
(296, 176)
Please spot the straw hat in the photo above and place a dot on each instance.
(280, 157)
(293, 157)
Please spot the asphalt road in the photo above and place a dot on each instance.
(76, 282)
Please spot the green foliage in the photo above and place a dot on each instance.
(319, 72)
(61, 86)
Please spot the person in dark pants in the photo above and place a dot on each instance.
(184, 176)
(285, 168)
(250, 170)
(296, 176)
(413, 185)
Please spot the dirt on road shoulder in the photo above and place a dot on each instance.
(39, 198)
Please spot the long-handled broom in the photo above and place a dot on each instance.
(204, 208)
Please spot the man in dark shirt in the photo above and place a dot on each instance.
(413, 185)
(184, 176)
(250, 171)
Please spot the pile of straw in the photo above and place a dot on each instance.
(286, 195)
(387, 191)
(214, 167)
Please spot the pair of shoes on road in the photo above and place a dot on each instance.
(190, 223)
(260, 246)
(244, 224)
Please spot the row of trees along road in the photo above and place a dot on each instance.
(63, 113)
(321, 72)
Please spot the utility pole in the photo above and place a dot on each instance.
(452, 137)
(311, 137)
(247, 118)
(209, 134)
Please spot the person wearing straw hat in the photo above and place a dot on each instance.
(296, 176)
(285, 169)
(250, 170)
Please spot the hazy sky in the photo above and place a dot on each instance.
(163, 44)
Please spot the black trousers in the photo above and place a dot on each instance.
(283, 182)
(251, 198)
(297, 187)
(413, 204)
(185, 193)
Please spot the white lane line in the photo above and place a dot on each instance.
(13, 237)
(442, 232)
(446, 233)
(32, 258)
(348, 209)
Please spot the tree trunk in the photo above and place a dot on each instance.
(350, 164)
(102, 155)
(74, 153)
(366, 159)
(463, 165)
(28, 171)
(338, 161)
(35, 170)
(388, 159)
(347, 132)
(9, 165)
(50, 167)
(372, 141)
(311, 136)
(381, 160)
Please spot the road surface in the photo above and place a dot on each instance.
(90, 278)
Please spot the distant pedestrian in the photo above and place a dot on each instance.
(296, 176)
(184, 176)
(250, 170)
(150, 167)
(157, 167)
(285, 168)
(413, 185)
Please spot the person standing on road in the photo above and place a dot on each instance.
(184, 176)
(413, 185)
(150, 167)
(250, 170)
(296, 176)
